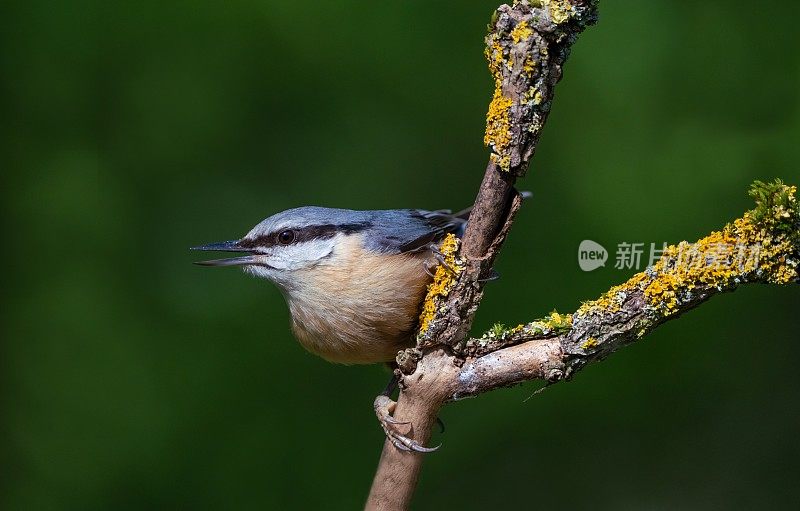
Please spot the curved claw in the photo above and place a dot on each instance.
(392, 420)
(384, 406)
(406, 444)
(414, 446)
(428, 449)
(440, 258)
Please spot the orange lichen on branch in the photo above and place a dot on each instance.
(526, 47)
(762, 246)
(498, 134)
(443, 280)
(498, 117)
(521, 32)
(612, 300)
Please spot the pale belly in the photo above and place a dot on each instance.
(361, 313)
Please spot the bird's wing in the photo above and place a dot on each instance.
(398, 231)
(433, 226)
(410, 230)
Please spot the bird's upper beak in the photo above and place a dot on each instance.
(227, 246)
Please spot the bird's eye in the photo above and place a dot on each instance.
(286, 237)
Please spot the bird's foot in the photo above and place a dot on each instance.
(440, 260)
(384, 407)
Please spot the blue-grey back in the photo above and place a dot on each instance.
(391, 231)
(407, 230)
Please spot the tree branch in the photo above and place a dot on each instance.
(527, 46)
(763, 246)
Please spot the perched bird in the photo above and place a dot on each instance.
(354, 280)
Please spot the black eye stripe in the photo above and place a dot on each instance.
(311, 232)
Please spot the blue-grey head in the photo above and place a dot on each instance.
(291, 240)
(302, 238)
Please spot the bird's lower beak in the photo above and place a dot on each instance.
(231, 261)
(227, 246)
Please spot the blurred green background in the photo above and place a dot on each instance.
(132, 379)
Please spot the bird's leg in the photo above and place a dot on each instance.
(384, 407)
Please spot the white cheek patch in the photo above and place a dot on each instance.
(301, 255)
(258, 271)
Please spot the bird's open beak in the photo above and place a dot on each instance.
(227, 246)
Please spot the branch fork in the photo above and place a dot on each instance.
(527, 45)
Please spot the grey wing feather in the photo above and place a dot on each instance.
(409, 230)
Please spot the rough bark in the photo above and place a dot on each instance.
(527, 46)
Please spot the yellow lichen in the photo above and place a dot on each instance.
(612, 300)
(560, 10)
(521, 32)
(529, 66)
(498, 117)
(443, 280)
(557, 320)
(591, 342)
(498, 133)
(504, 162)
(763, 245)
(535, 96)
(741, 248)
(495, 56)
(553, 323)
(500, 332)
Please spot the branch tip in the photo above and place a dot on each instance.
(526, 47)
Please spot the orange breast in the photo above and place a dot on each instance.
(359, 307)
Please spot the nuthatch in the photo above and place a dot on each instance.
(354, 280)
